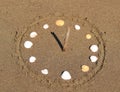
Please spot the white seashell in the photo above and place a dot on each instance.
(45, 26)
(32, 59)
(94, 48)
(93, 58)
(33, 34)
(28, 44)
(77, 27)
(66, 75)
(44, 71)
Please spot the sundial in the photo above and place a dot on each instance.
(62, 50)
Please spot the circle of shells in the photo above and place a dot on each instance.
(65, 75)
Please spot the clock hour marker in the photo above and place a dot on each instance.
(93, 58)
(94, 48)
(28, 44)
(32, 59)
(85, 68)
(88, 36)
(66, 75)
(45, 26)
(44, 71)
(60, 22)
(33, 34)
(77, 27)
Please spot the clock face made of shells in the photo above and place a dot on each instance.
(62, 50)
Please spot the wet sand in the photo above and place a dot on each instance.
(16, 16)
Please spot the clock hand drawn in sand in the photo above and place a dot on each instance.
(62, 50)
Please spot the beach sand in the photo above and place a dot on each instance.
(16, 16)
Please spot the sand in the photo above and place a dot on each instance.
(16, 17)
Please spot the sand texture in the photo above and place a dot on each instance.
(59, 48)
